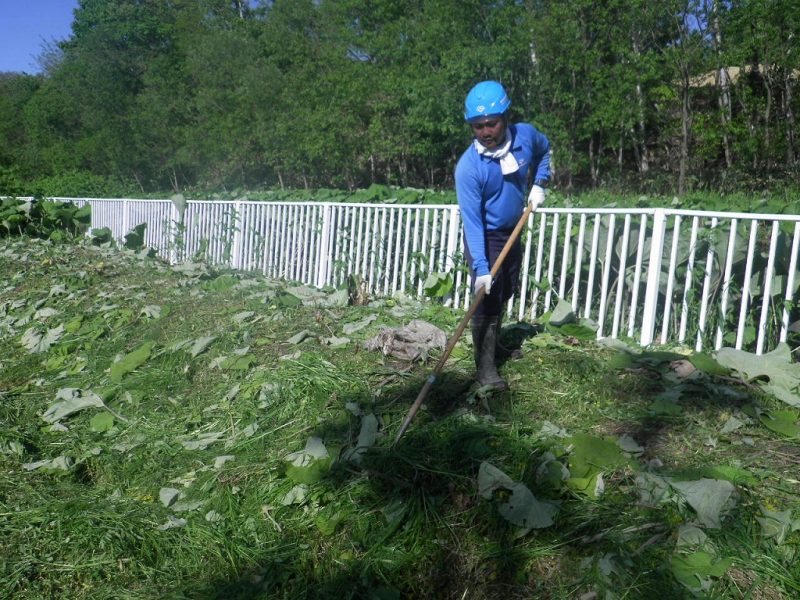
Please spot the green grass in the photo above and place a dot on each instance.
(404, 522)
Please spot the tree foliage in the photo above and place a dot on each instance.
(663, 96)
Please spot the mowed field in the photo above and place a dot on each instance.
(181, 432)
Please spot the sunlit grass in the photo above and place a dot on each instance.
(405, 522)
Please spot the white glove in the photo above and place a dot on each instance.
(536, 197)
(483, 281)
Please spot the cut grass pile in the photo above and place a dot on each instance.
(174, 432)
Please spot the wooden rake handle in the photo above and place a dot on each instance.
(476, 301)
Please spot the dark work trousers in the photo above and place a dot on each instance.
(507, 279)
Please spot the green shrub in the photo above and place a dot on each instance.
(44, 219)
(77, 184)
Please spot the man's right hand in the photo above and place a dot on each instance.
(536, 196)
(483, 281)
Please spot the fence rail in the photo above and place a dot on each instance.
(705, 279)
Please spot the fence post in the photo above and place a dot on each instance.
(653, 276)
(452, 238)
(323, 249)
(174, 230)
(237, 236)
(452, 245)
(126, 217)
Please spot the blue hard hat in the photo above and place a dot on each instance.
(486, 99)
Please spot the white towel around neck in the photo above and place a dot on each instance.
(508, 164)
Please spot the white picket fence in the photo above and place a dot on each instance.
(704, 279)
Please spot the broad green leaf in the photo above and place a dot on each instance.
(691, 536)
(101, 422)
(620, 360)
(130, 362)
(45, 313)
(526, 511)
(355, 409)
(562, 314)
(287, 300)
(708, 498)
(36, 342)
(173, 522)
(308, 295)
(71, 400)
(438, 285)
(775, 524)
(781, 421)
(238, 363)
(695, 571)
(74, 324)
(653, 489)
(731, 425)
(522, 508)
(202, 441)
(12, 447)
(783, 373)
(221, 460)
(200, 345)
(335, 342)
(151, 311)
(168, 496)
(629, 445)
(134, 240)
(665, 407)
(590, 455)
(187, 505)
(299, 337)
(308, 465)
(735, 475)
(575, 330)
(297, 495)
(61, 463)
(241, 317)
(366, 439)
(550, 430)
(551, 472)
(593, 486)
(339, 298)
(220, 284)
(179, 202)
(706, 363)
(327, 524)
(490, 478)
(351, 328)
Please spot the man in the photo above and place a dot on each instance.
(492, 179)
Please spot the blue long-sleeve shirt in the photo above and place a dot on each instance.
(490, 200)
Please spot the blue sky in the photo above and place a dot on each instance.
(26, 26)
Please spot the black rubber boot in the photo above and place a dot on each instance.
(485, 331)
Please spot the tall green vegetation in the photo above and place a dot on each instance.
(664, 96)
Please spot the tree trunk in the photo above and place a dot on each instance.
(766, 151)
(723, 83)
(685, 131)
(641, 154)
(788, 114)
(644, 165)
(173, 176)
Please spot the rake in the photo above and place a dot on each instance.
(476, 301)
